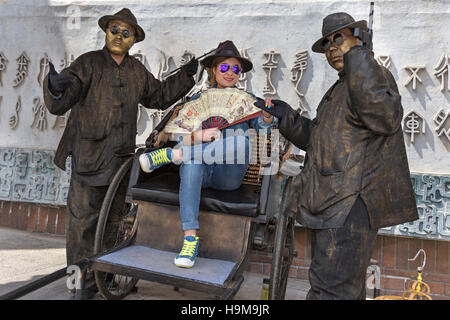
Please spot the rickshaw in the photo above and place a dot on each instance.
(140, 214)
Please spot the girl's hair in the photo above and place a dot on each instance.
(215, 63)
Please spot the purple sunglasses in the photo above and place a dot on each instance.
(225, 67)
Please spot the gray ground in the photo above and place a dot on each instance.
(28, 256)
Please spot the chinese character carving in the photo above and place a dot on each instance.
(432, 198)
(435, 188)
(156, 116)
(73, 17)
(22, 164)
(14, 119)
(200, 78)
(301, 108)
(140, 57)
(414, 77)
(152, 113)
(440, 69)
(384, 61)
(186, 57)
(242, 83)
(300, 64)
(22, 69)
(160, 114)
(442, 126)
(413, 124)
(40, 115)
(61, 121)
(270, 65)
(141, 114)
(43, 69)
(163, 66)
(66, 61)
(3, 62)
(7, 161)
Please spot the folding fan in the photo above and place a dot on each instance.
(215, 108)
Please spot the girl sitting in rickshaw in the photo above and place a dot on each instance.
(208, 156)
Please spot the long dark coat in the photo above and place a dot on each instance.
(354, 146)
(103, 99)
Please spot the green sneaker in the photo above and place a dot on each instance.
(155, 159)
(186, 258)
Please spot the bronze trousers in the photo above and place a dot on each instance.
(340, 257)
(83, 208)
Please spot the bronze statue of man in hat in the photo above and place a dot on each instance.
(102, 90)
(356, 177)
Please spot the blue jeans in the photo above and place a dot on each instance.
(220, 165)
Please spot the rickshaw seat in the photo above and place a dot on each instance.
(163, 187)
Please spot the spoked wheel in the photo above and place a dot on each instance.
(117, 224)
(283, 250)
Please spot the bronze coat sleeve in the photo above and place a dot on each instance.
(162, 94)
(373, 92)
(295, 128)
(81, 73)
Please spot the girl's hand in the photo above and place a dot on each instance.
(161, 138)
(267, 117)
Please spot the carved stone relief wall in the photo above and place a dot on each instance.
(432, 194)
(411, 121)
(278, 45)
(31, 176)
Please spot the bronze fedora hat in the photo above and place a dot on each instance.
(124, 15)
(335, 22)
(228, 49)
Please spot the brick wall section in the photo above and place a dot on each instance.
(391, 253)
(32, 217)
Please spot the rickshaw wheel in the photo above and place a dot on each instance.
(117, 224)
(283, 250)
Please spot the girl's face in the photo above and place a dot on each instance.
(228, 78)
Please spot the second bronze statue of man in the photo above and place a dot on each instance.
(102, 89)
(356, 177)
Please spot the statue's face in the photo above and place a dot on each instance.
(120, 37)
(337, 44)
